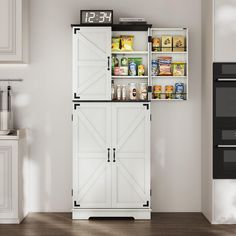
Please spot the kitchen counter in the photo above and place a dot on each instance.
(14, 135)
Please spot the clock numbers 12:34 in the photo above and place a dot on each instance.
(101, 17)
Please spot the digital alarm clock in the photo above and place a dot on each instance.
(96, 17)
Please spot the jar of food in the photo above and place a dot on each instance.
(143, 91)
(157, 91)
(133, 91)
(169, 90)
(118, 92)
(123, 92)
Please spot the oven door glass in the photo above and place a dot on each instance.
(224, 163)
(225, 101)
(229, 160)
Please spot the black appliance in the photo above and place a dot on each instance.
(224, 120)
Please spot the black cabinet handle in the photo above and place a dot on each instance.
(108, 63)
(108, 154)
(114, 155)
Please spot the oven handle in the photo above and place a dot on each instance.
(226, 80)
(226, 146)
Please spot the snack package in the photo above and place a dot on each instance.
(165, 66)
(115, 46)
(178, 43)
(178, 69)
(156, 44)
(166, 43)
(127, 42)
(141, 70)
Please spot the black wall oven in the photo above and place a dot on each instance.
(224, 121)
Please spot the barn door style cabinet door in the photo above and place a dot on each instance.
(92, 63)
(13, 178)
(111, 160)
(13, 31)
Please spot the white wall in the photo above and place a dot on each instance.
(43, 103)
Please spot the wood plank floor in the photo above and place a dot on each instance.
(60, 224)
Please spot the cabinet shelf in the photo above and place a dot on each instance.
(185, 52)
(129, 77)
(130, 53)
(163, 99)
(171, 76)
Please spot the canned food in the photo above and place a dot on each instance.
(179, 90)
(132, 69)
(157, 91)
(133, 91)
(155, 67)
(143, 91)
(169, 89)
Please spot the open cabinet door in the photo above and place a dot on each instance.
(91, 164)
(92, 63)
(130, 155)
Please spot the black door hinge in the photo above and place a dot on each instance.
(76, 205)
(150, 117)
(75, 30)
(72, 118)
(150, 192)
(146, 105)
(149, 89)
(76, 97)
(149, 39)
(76, 105)
(72, 192)
(146, 205)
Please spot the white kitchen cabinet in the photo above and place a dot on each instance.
(13, 31)
(131, 153)
(224, 31)
(92, 63)
(91, 140)
(111, 160)
(13, 178)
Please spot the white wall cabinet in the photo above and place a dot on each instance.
(13, 178)
(92, 63)
(224, 31)
(111, 160)
(13, 31)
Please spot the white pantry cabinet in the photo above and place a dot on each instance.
(92, 63)
(13, 178)
(13, 31)
(224, 31)
(111, 160)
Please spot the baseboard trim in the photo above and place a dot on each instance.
(10, 221)
(137, 214)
